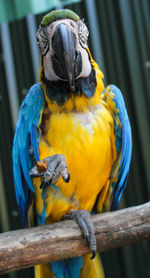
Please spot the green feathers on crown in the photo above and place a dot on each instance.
(59, 14)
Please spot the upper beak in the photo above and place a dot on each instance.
(66, 60)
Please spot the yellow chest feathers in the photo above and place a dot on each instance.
(87, 141)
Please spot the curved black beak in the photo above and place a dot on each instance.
(66, 60)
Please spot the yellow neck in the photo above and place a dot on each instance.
(78, 103)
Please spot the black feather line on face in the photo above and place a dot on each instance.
(60, 92)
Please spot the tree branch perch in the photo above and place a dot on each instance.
(27, 247)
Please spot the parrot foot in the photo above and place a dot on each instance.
(83, 219)
(50, 169)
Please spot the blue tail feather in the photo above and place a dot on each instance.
(67, 268)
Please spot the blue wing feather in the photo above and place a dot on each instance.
(26, 134)
(34, 140)
(123, 145)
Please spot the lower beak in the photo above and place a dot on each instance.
(66, 60)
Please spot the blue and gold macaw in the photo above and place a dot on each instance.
(72, 145)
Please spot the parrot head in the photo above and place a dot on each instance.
(62, 38)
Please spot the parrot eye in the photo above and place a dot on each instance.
(42, 40)
(83, 33)
(51, 26)
(72, 24)
(37, 41)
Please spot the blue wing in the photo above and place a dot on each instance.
(123, 145)
(26, 135)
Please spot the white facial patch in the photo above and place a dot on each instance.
(47, 62)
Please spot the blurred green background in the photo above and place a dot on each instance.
(120, 43)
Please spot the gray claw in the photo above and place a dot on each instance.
(67, 178)
(83, 218)
(93, 255)
(55, 166)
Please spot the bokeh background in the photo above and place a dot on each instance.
(120, 43)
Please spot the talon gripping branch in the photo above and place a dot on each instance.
(72, 145)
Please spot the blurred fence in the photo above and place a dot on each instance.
(120, 43)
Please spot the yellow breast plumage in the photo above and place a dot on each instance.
(85, 139)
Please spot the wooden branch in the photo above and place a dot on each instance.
(27, 247)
